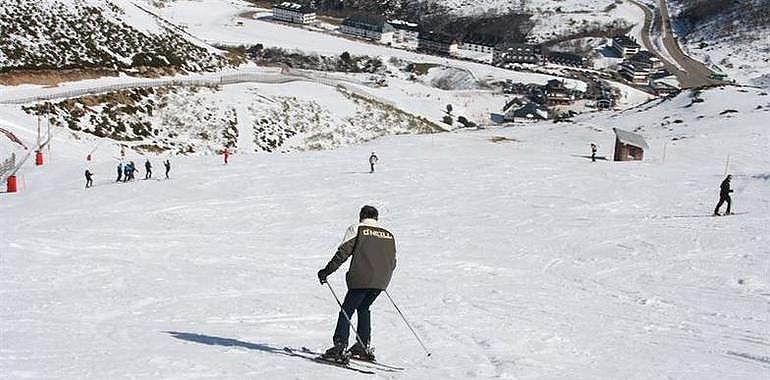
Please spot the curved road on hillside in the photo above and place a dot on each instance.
(692, 72)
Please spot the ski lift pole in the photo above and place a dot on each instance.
(727, 164)
(347, 317)
(407, 323)
(88, 158)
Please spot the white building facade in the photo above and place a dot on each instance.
(369, 28)
(405, 32)
(625, 46)
(294, 13)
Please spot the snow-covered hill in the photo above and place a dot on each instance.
(733, 35)
(554, 20)
(95, 34)
(518, 257)
(551, 20)
(244, 118)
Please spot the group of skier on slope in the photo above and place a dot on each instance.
(128, 171)
(372, 250)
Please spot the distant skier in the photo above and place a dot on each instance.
(147, 169)
(593, 152)
(374, 258)
(724, 196)
(128, 171)
(120, 172)
(226, 154)
(167, 165)
(89, 179)
(373, 160)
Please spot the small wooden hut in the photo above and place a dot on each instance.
(629, 146)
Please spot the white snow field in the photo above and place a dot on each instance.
(518, 259)
(237, 22)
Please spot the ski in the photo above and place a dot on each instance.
(367, 363)
(735, 213)
(694, 215)
(318, 359)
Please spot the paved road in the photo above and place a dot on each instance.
(697, 74)
(692, 73)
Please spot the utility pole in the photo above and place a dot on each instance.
(49, 138)
(38, 133)
(727, 164)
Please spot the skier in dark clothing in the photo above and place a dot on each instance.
(89, 179)
(724, 196)
(373, 251)
(128, 174)
(373, 160)
(593, 152)
(120, 172)
(167, 165)
(147, 169)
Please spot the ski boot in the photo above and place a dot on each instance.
(337, 354)
(362, 353)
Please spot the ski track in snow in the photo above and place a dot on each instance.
(515, 261)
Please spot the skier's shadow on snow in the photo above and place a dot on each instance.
(225, 342)
(602, 158)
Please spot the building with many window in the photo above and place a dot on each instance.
(293, 12)
(517, 53)
(648, 60)
(635, 72)
(625, 46)
(480, 43)
(368, 27)
(438, 43)
(556, 93)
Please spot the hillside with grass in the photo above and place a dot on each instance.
(96, 35)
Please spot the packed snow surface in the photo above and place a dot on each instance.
(518, 258)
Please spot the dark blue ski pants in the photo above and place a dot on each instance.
(356, 300)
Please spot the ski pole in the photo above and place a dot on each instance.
(350, 323)
(407, 323)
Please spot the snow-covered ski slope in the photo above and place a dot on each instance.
(518, 259)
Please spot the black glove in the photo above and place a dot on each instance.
(322, 274)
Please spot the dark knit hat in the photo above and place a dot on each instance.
(368, 212)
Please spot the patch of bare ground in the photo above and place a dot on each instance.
(248, 14)
(502, 139)
(52, 77)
